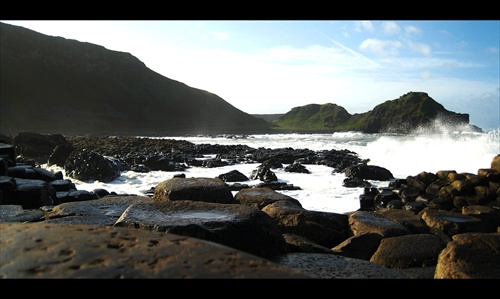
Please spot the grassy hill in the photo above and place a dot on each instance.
(56, 85)
(313, 118)
(402, 115)
(269, 117)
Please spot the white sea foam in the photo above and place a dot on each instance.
(322, 190)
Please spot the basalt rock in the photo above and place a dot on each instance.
(401, 252)
(87, 165)
(330, 266)
(263, 173)
(238, 226)
(470, 255)
(262, 197)
(361, 246)
(324, 228)
(296, 167)
(37, 146)
(8, 153)
(377, 241)
(89, 251)
(233, 176)
(60, 153)
(368, 172)
(495, 164)
(195, 189)
(206, 220)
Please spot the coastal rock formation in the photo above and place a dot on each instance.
(470, 255)
(113, 93)
(89, 251)
(85, 165)
(197, 189)
(38, 147)
(456, 213)
(409, 112)
(391, 242)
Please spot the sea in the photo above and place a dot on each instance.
(322, 189)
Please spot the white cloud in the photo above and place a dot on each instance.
(274, 80)
(381, 48)
(390, 28)
(277, 79)
(420, 48)
(360, 26)
(422, 63)
(412, 30)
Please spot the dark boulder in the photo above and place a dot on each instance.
(33, 194)
(37, 146)
(368, 172)
(263, 173)
(233, 176)
(195, 189)
(372, 222)
(471, 256)
(8, 152)
(87, 165)
(495, 163)
(92, 251)
(324, 228)
(60, 153)
(356, 183)
(384, 197)
(163, 163)
(361, 246)
(401, 252)
(296, 167)
(238, 226)
(261, 197)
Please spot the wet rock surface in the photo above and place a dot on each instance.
(89, 251)
(238, 226)
(328, 266)
(454, 216)
(470, 255)
(202, 189)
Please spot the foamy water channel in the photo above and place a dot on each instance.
(321, 189)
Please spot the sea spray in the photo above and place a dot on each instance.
(439, 147)
(322, 189)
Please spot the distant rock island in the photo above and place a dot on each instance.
(55, 85)
(403, 115)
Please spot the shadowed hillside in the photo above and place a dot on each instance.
(56, 85)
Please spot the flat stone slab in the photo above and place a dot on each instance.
(328, 266)
(16, 213)
(196, 189)
(235, 225)
(104, 211)
(38, 250)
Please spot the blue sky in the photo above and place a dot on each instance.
(263, 67)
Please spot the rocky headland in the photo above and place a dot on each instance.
(426, 226)
(103, 92)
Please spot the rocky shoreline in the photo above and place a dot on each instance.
(200, 230)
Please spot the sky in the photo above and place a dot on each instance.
(268, 67)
